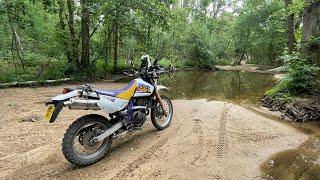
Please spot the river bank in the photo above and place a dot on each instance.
(117, 77)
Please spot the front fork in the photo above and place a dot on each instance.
(158, 98)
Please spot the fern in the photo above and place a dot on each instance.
(299, 78)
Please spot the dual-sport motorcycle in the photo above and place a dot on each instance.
(89, 138)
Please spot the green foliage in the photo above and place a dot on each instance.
(259, 31)
(299, 78)
(314, 42)
(184, 33)
(38, 70)
(200, 46)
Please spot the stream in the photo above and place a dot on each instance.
(232, 86)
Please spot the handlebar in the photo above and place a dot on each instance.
(152, 72)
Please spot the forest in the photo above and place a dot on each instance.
(89, 40)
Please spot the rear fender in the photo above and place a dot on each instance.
(58, 103)
(63, 97)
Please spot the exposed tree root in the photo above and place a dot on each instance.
(298, 110)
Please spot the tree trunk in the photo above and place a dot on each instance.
(17, 42)
(72, 33)
(291, 39)
(185, 4)
(241, 58)
(85, 55)
(217, 5)
(270, 52)
(108, 34)
(61, 14)
(12, 53)
(149, 39)
(310, 31)
(115, 48)
(63, 28)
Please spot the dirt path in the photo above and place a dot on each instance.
(206, 140)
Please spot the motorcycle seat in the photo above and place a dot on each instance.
(112, 93)
(124, 93)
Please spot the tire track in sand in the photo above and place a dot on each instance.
(222, 141)
(131, 167)
(197, 129)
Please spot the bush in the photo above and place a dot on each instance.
(299, 78)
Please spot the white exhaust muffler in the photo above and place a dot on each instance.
(83, 104)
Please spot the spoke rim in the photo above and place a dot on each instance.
(81, 141)
(160, 117)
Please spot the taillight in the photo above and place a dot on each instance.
(65, 91)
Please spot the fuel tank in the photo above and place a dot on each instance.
(143, 88)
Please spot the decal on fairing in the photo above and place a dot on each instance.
(141, 88)
(128, 93)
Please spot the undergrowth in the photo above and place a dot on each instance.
(299, 78)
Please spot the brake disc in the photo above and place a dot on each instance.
(86, 140)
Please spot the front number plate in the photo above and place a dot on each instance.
(49, 113)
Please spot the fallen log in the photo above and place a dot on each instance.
(33, 83)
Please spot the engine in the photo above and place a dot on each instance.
(136, 114)
(139, 115)
(139, 118)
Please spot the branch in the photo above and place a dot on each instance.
(102, 19)
(96, 28)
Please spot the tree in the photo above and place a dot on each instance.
(16, 40)
(115, 47)
(290, 27)
(259, 32)
(310, 41)
(73, 45)
(200, 46)
(85, 54)
(62, 34)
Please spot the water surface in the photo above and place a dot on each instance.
(235, 86)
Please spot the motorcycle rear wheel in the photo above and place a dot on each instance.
(77, 138)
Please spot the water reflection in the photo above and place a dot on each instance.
(236, 86)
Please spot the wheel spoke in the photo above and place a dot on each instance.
(82, 144)
(161, 119)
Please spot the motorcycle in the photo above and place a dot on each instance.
(89, 138)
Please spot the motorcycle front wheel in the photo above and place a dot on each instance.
(77, 146)
(158, 119)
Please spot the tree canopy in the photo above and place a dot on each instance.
(49, 39)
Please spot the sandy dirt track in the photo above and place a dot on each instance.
(206, 140)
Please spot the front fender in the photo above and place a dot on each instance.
(160, 87)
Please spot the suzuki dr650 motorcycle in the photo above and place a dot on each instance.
(89, 138)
